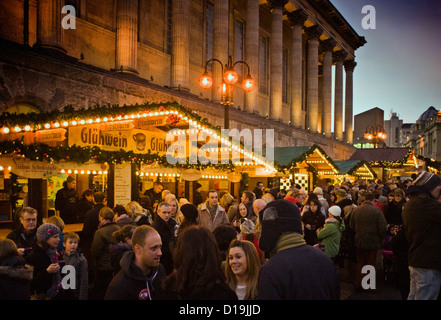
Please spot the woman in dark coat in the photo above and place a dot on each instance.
(15, 276)
(312, 219)
(46, 281)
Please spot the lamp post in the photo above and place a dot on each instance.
(376, 135)
(229, 79)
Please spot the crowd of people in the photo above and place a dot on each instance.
(269, 244)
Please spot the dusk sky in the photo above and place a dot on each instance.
(399, 68)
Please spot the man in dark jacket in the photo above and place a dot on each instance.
(25, 235)
(422, 226)
(370, 228)
(141, 272)
(155, 194)
(92, 216)
(295, 271)
(166, 227)
(66, 201)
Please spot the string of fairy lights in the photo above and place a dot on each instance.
(101, 115)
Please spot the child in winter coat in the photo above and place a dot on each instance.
(73, 257)
(330, 234)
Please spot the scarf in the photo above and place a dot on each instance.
(289, 240)
(56, 277)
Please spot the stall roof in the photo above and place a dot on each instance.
(287, 157)
(355, 168)
(382, 154)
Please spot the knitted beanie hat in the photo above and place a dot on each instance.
(189, 211)
(427, 181)
(47, 230)
(335, 211)
(278, 217)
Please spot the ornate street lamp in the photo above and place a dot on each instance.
(376, 135)
(229, 79)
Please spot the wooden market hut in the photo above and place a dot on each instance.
(354, 170)
(391, 162)
(303, 165)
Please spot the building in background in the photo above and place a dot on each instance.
(372, 118)
(136, 51)
(392, 128)
(425, 135)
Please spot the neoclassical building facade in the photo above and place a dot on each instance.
(86, 52)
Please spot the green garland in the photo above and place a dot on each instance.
(303, 157)
(42, 152)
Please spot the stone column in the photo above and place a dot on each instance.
(312, 108)
(49, 30)
(220, 44)
(320, 99)
(327, 46)
(338, 95)
(297, 19)
(349, 69)
(180, 55)
(276, 58)
(126, 36)
(252, 52)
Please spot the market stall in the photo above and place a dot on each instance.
(303, 165)
(121, 151)
(389, 163)
(354, 170)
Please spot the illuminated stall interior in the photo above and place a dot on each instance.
(118, 150)
(354, 170)
(303, 166)
(389, 163)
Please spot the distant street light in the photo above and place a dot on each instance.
(229, 79)
(376, 135)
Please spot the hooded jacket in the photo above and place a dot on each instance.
(330, 236)
(130, 283)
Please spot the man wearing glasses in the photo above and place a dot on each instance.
(25, 235)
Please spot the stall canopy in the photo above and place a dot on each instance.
(162, 139)
(388, 162)
(287, 158)
(355, 169)
(301, 165)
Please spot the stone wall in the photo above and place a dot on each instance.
(28, 75)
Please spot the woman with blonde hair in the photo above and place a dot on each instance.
(242, 269)
(175, 211)
(138, 213)
(230, 205)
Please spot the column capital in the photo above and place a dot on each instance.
(328, 44)
(349, 65)
(274, 4)
(297, 18)
(339, 55)
(314, 32)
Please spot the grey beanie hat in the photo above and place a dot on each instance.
(47, 230)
